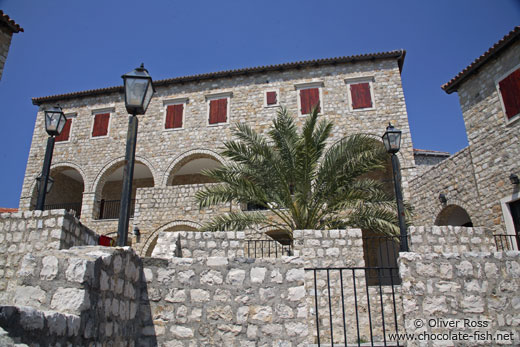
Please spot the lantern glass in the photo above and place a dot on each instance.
(392, 139)
(50, 182)
(54, 121)
(138, 90)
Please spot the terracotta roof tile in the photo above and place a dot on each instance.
(397, 54)
(454, 83)
(8, 209)
(9, 22)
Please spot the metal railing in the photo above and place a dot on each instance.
(348, 312)
(506, 242)
(69, 206)
(109, 209)
(381, 252)
(269, 248)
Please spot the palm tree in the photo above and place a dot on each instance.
(301, 183)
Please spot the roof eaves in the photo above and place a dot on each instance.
(11, 24)
(452, 85)
(397, 54)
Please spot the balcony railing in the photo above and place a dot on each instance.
(507, 242)
(269, 248)
(69, 206)
(109, 209)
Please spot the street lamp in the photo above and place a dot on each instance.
(54, 122)
(392, 141)
(138, 93)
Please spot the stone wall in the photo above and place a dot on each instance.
(450, 239)
(219, 301)
(76, 296)
(467, 293)
(455, 178)
(5, 42)
(36, 231)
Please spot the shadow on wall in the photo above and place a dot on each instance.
(453, 215)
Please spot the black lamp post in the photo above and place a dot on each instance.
(138, 93)
(392, 141)
(54, 122)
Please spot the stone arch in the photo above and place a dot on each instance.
(67, 190)
(186, 158)
(106, 197)
(178, 225)
(455, 215)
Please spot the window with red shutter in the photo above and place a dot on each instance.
(100, 127)
(360, 95)
(174, 116)
(510, 92)
(309, 98)
(271, 98)
(64, 136)
(218, 111)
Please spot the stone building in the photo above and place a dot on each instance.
(184, 128)
(8, 27)
(475, 182)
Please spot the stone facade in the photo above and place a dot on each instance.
(477, 178)
(164, 153)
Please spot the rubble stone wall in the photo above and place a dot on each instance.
(220, 301)
(468, 293)
(76, 296)
(450, 239)
(31, 232)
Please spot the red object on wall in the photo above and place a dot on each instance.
(106, 241)
(217, 111)
(361, 97)
(309, 98)
(174, 116)
(64, 136)
(101, 124)
(510, 90)
(271, 98)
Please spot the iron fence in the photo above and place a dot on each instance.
(269, 248)
(349, 312)
(69, 206)
(506, 242)
(109, 209)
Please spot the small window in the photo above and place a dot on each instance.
(174, 116)
(510, 93)
(218, 108)
(271, 98)
(101, 123)
(65, 133)
(360, 93)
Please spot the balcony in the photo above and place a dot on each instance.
(109, 209)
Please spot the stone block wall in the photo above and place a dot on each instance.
(455, 178)
(36, 231)
(450, 239)
(77, 296)
(5, 42)
(461, 293)
(219, 301)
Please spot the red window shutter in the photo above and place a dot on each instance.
(101, 124)
(222, 114)
(271, 98)
(213, 111)
(174, 116)
(510, 90)
(64, 136)
(361, 97)
(309, 98)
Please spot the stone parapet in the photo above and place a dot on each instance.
(468, 293)
(219, 301)
(93, 293)
(450, 239)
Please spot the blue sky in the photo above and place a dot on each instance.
(77, 45)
